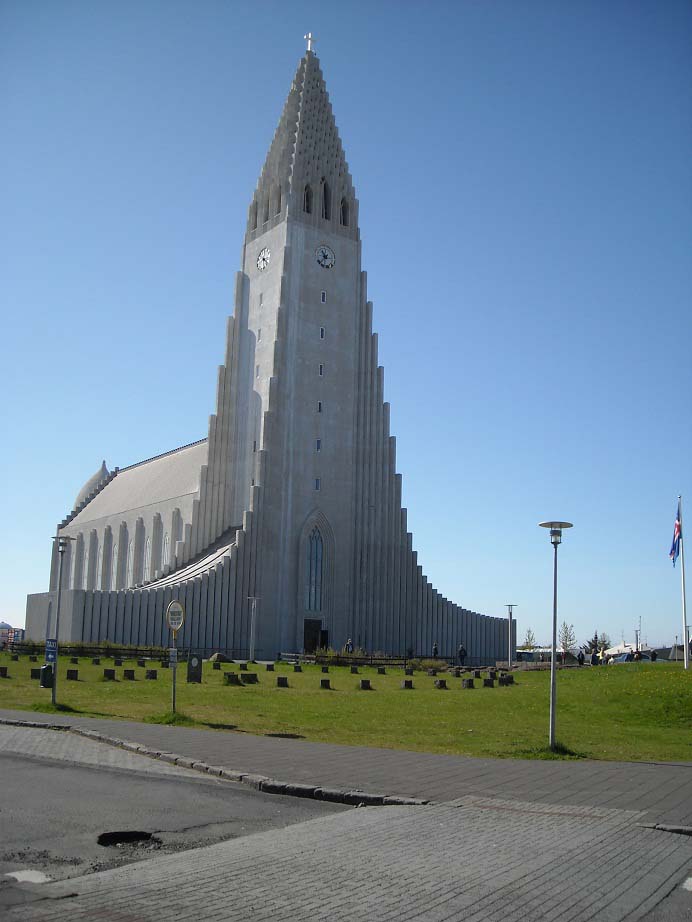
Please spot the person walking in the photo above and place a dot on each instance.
(461, 654)
(435, 651)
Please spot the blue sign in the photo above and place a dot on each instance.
(51, 650)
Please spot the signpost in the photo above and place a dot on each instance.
(175, 615)
(51, 650)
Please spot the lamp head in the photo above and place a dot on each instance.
(555, 530)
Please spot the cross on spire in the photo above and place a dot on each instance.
(309, 39)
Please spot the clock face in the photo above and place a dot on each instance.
(263, 259)
(325, 256)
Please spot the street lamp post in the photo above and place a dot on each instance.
(253, 623)
(555, 538)
(509, 606)
(62, 547)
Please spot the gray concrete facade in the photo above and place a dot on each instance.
(293, 499)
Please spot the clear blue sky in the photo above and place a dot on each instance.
(525, 190)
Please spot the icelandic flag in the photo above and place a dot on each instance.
(677, 532)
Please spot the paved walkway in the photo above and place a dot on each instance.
(661, 791)
(473, 860)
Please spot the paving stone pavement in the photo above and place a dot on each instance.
(472, 859)
(64, 747)
(662, 790)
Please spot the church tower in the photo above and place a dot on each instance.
(284, 529)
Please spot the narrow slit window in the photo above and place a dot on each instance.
(319, 406)
(344, 212)
(254, 445)
(318, 483)
(324, 297)
(321, 370)
(257, 371)
(318, 444)
(261, 298)
(259, 335)
(307, 200)
(321, 332)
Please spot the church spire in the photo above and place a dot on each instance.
(305, 174)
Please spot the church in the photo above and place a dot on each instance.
(283, 529)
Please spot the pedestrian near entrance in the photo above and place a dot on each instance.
(580, 657)
(349, 646)
(461, 653)
(435, 651)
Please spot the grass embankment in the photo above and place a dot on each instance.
(631, 711)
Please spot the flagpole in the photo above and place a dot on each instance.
(685, 639)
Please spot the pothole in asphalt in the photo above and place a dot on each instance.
(127, 837)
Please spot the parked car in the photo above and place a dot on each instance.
(629, 658)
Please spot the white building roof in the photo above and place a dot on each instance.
(176, 473)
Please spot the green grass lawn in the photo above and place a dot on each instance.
(633, 711)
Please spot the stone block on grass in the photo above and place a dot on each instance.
(381, 670)
(231, 678)
(324, 683)
(36, 673)
(141, 663)
(164, 664)
(365, 685)
(457, 672)
(96, 661)
(15, 657)
(467, 683)
(354, 670)
(440, 683)
(297, 668)
(216, 665)
(151, 674)
(74, 660)
(117, 662)
(243, 667)
(33, 659)
(282, 681)
(408, 671)
(249, 678)
(476, 673)
(109, 675)
(488, 683)
(407, 683)
(129, 675)
(3, 672)
(270, 667)
(492, 674)
(325, 669)
(73, 675)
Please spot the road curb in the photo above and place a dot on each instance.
(352, 797)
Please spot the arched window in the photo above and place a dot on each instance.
(313, 585)
(266, 209)
(85, 570)
(164, 555)
(307, 200)
(278, 200)
(253, 216)
(326, 200)
(114, 568)
(147, 561)
(99, 567)
(343, 213)
(130, 564)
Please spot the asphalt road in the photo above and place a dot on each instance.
(61, 792)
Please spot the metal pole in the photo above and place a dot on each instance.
(252, 629)
(685, 640)
(61, 551)
(510, 607)
(174, 664)
(553, 702)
